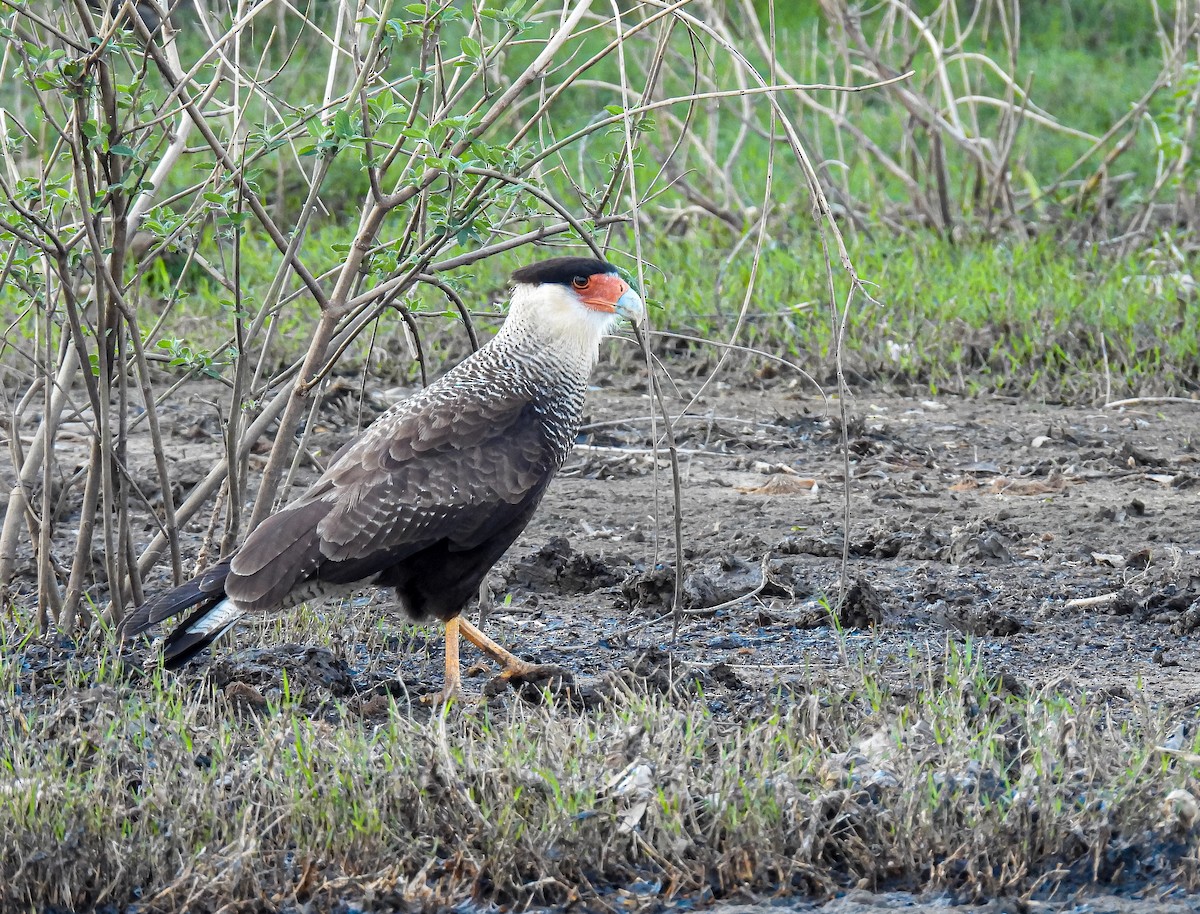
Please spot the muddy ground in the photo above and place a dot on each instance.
(988, 518)
(1060, 542)
(982, 518)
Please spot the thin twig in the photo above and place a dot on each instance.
(1148, 401)
(1086, 602)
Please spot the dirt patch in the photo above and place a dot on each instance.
(994, 518)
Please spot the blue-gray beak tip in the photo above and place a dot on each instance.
(630, 306)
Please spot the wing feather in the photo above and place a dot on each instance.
(436, 478)
(439, 467)
(282, 551)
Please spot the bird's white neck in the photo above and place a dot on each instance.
(553, 319)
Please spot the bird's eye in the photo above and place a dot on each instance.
(580, 282)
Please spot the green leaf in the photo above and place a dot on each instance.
(470, 47)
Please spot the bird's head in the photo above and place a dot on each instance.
(569, 303)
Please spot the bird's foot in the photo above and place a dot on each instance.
(530, 680)
(447, 695)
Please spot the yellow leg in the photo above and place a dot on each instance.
(452, 687)
(513, 666)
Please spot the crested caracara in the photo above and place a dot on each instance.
(436, 489)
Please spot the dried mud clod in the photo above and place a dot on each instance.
(557, 568)
(725, 675)
(307, 668)
(862, 608)
(1178, 607)
(882, 541)
(1131, 455)
(713, 583)
(982, 621)
(652, 587)
(980, 542)
(656, 670)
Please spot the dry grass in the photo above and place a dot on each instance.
(116, 787)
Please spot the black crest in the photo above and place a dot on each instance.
(561, 270)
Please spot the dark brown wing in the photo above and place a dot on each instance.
(445, 468)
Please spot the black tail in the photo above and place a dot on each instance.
(200, 629)
(201, 594)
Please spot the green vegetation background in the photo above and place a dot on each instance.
(1047, 305)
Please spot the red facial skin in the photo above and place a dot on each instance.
(600, 291)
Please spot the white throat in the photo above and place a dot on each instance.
(555, 318)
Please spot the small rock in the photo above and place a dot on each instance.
(1180, 808)
(244, 697)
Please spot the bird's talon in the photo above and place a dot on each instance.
(532, 672)
(530, 679)
(446, 696)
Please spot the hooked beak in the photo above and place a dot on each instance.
(630, 306)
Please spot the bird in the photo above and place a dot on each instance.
(433, 492)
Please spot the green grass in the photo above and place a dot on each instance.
(923, 774)
(1015, 316)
